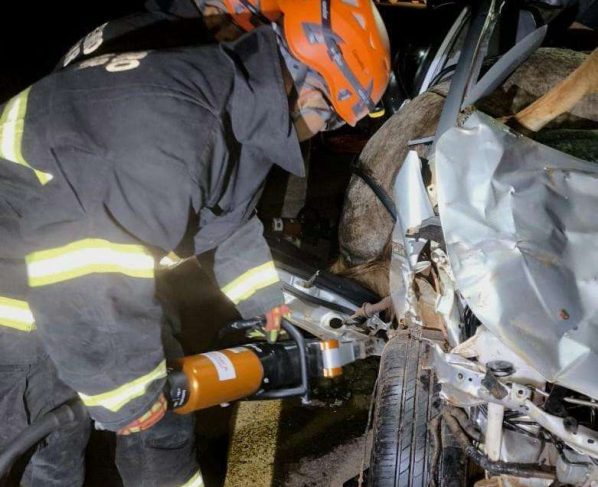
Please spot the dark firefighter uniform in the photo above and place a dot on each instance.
(126, 153)
(29, 385)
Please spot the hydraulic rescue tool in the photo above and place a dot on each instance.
(257, 370)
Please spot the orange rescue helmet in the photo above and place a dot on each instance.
(346, 42)
(249, 14)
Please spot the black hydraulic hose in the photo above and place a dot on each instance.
(240, 325)
(526, 470)
(37, 431)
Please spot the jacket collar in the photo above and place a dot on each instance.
(258, 107)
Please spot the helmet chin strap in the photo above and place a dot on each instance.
(328, 116)
(305, 112)
(308, 122)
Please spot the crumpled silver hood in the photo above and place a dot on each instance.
(521, 226)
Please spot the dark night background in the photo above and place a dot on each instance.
(35, 34)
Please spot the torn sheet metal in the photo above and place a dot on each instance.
(413, 207)
(411, 198)
(521, 226)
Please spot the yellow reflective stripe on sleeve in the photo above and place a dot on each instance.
(12, 124)
(246, 285)
(195, 481)
(16, 314)
(115, 399)
(88, 256)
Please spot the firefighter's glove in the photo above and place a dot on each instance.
(273, 320)
(148, 419)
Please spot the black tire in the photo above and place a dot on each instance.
(403, 410)
(404, 453)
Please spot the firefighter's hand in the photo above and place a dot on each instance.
(273, 320)
(146, 420)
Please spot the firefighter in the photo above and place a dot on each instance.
(24, 366)
(127, 153)
(29, 384)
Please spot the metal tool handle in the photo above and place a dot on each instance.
(303, 388)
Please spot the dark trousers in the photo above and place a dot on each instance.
(26, 393)
(162, 456)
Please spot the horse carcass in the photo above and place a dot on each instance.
(366, 226)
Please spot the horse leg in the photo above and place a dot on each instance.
(560, 99)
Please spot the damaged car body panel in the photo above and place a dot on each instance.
(520, 223)
(515, 253)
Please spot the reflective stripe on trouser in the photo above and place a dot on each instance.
(16, 314)
(88, 256)
(195, 481)
(12, 124)
(246, 285)
(115, 399)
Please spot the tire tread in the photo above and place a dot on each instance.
(403, 409)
